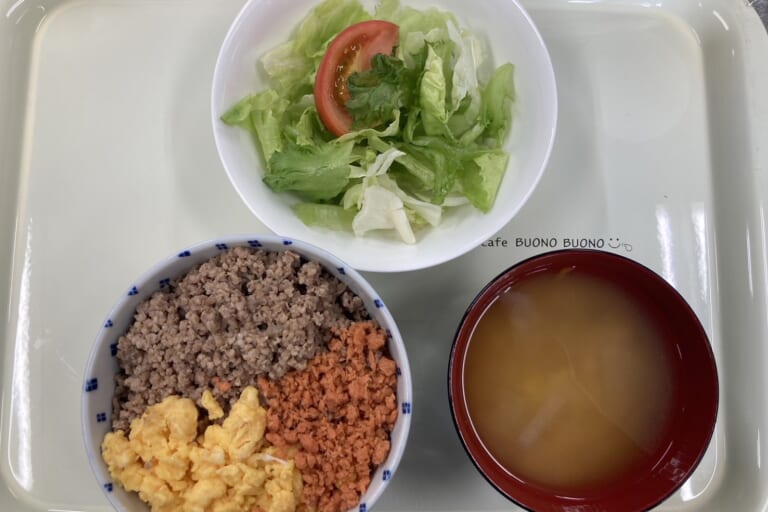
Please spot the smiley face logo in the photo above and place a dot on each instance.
(616, 243)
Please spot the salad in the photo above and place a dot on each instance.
(381, 121)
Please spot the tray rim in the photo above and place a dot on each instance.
(754, 35)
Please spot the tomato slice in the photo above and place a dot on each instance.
(351, 51)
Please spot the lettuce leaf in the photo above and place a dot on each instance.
(497, 98)
(318, 172)
(262, 114)
(432, 94)
(324, 22)
(480, 179)
(288, 70)
(325, 215)
(382, 209)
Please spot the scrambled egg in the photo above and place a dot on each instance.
(230, 468)
(211, 405)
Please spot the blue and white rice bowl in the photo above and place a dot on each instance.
(102, 365)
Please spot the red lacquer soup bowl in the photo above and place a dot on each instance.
(581, 380)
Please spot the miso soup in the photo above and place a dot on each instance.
(567, 381)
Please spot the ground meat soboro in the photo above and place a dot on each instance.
(335, 416)
(243, 313)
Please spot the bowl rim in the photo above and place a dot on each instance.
(502, 479)
(415, 261)
(272, 243)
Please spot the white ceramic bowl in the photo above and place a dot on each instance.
(102, 364)
(511, 37)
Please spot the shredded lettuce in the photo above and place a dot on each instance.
(427, 133)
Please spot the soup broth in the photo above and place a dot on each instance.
(567, 382)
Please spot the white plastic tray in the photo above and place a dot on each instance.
(107, 164)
